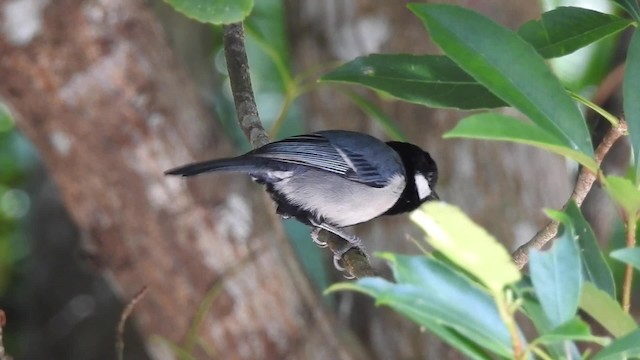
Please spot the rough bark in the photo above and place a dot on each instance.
(98, 91)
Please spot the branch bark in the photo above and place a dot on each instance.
(356, 263)
(585, 181)
(240, 78)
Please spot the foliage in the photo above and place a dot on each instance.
(469, 294)
(457, 301)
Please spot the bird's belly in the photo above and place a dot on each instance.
(338, 201)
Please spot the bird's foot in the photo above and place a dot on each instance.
(353, 242)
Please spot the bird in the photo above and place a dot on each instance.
(334, 179)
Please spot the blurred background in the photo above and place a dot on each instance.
(99, 97)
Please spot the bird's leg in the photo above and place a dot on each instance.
(352, 242)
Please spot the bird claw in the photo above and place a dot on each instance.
(316, 240)
(352, 242)
(336, 263)
(338, 256)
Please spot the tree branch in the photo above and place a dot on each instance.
(583, 185)
(240, 78)
(355, 262)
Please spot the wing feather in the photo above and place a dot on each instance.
(316, 151)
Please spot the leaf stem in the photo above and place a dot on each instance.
(506, 314)
(294, 91)
(628, 273)
(615, 122)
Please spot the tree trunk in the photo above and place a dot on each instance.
(97, 90)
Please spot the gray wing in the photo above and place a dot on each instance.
(354, 156)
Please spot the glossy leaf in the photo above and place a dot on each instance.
(573, 330)
(605, 310)
(629, 256)
(430, 80)
(630, 86)
(624, 193)
(493, 126)
(564, 30)
(213, 11)
(398, 297)
(466, 244)
(436, 277)
(509, 67)
(631, 6)
(533, 310)
(442, 297)
(556, 275)
(626, 347)
(594, 265)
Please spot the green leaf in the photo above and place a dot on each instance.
(630, 86)
(605, 310)
(630, 6)
(466, 244)
(623, 192)
(213, 11)
(492, 126)
(556, 275)
(380, 288)
(509, 67)
(430, 293)
(533, 310)
(594, 265)
(430, 80)
(626, 347)
(629, 256)
(573, 330)
(564, 30)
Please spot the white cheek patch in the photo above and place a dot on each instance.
(422, 185)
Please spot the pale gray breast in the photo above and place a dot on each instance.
(339, 201)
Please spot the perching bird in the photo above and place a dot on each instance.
(334, 179)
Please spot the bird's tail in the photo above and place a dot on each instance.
(237, 164)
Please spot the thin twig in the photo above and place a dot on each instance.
(628, 273)
(123, 319)
(3, 322)
(247, 111)
(583, 185)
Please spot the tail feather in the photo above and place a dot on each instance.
(237, 164)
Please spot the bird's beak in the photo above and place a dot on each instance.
(433, 196)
